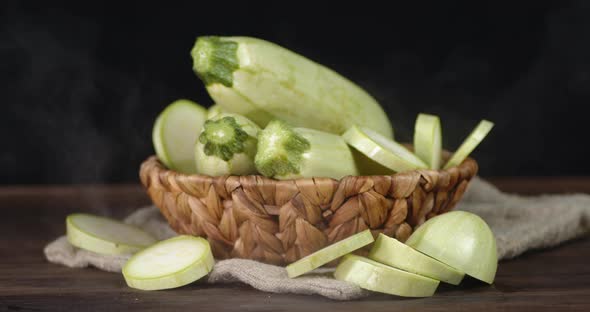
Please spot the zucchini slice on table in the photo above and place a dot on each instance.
(392, 252)
(372, 275)
(171, 263)
(460, 239)
(105, 236)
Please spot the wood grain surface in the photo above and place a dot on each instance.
(549, 280)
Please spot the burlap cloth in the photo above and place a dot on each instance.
(519, 224)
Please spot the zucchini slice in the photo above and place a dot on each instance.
(382, 150)
(175, 134)
(327, 254)
(171, 263)
(472, 141)
(372, 275)
(394, 253)
(428, 140)
(105, 236)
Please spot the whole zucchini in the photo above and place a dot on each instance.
(264, 81)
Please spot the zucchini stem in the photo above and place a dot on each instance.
(223, 138)
(215, 60)
(280, 150)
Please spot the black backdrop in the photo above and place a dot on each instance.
(81, 84)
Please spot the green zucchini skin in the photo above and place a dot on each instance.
(263, 81)
(285, 153)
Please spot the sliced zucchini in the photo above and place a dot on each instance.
(372, 275)
(472, 141)
(394, 253)
(105, 236)
(460, 239)
(382, 150)
(175, 133)
(327, 254)
(428, 140)
(171, 263)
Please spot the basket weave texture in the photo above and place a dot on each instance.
(279, 222)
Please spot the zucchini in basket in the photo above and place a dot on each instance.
(285, 152)
(264, 81)
(227, 145)
(175, 133)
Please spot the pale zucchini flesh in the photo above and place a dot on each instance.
(428, 140)
(368, 167)
(384, 151)
(170, 263)
(161, 152)
(239, 104)
(472, 141)
(330, 253)
(105, 236)
(389, 251)
(175, 133)
(461, 240)
(374, 276)
(264, 81)
(213, 111)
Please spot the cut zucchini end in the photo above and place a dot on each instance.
(461, 240)
(171, 263)
(374, 276)
(104, 235)
(390, 251)
(330, 253)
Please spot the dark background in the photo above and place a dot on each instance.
(82, 84)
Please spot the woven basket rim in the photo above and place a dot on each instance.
(465, 165)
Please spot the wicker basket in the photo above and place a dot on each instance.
(279, 222)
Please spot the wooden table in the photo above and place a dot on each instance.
(555, 279)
